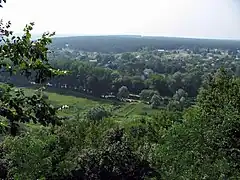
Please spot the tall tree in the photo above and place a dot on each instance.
(29, 58)
(219, 103)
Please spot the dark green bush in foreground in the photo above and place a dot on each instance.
(77, 150)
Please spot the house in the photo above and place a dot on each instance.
(93, 60)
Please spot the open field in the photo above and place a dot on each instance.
(78, 105)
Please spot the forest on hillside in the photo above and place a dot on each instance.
(119, 44)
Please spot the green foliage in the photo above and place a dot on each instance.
(178, 101)
(123, 92)
(147, 94)
(78, 150)
(189, 156)
(159, 83)
(121, 44)
(179, 94)
(21, 55)
(199, 143)
(219, 103)
(158, 126)
(29, 155)
(155, 101)
(174, 106)
(115, 160)
(206, 144)
(4, 88)
(97, 113)
(3, 169)
(26, 56)
(17, 107)
(4, 126)
(3, 165)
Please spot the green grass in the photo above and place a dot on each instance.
(80, 104)
(76, 104)
(59, 99)
(134, 109)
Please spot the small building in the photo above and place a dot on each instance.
(93, 60)
(134, 96)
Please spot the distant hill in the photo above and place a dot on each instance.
(125, 43)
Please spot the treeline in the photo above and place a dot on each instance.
(117, 44)
(97, 81)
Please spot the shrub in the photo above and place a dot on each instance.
(155, 101)
(97, 113)
(147, 94)
(114, 160)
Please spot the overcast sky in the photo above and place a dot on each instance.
(182, 18)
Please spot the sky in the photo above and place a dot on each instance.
(216, 19)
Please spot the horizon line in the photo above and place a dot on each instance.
(153, 36)
(62, 35)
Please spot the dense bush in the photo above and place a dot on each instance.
(155, 101)
(74, 151)
(3, 165)
(114, 160)
(147, 94)
(97, 113)
(206, 144)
